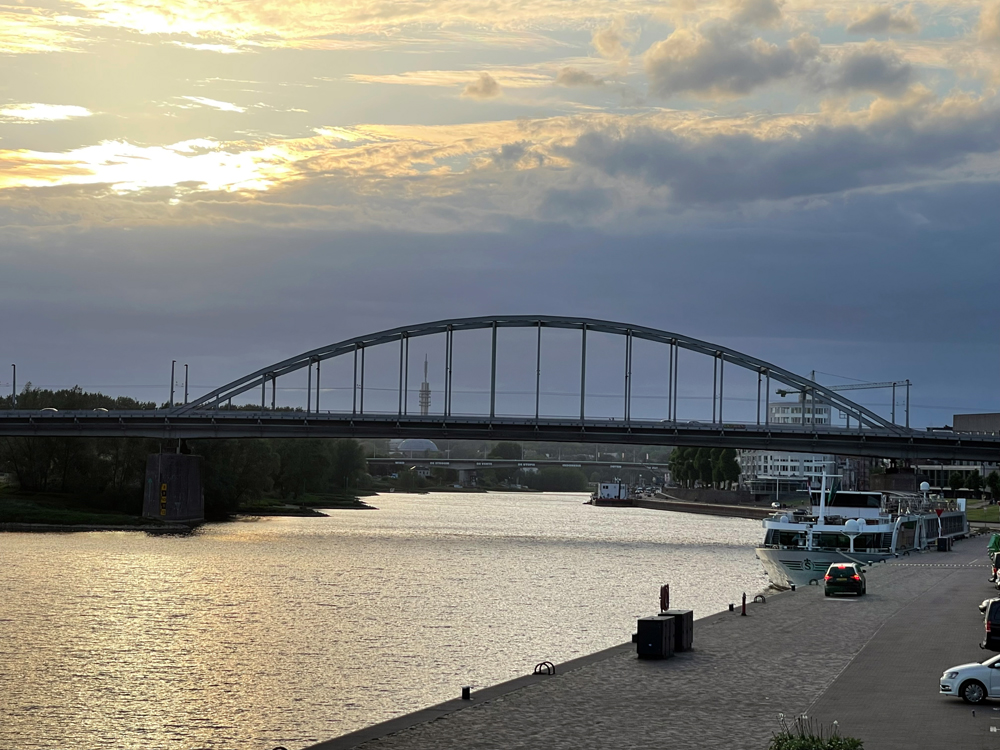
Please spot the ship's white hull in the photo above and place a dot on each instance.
(799, 566)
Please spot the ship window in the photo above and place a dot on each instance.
(832, 540)
(790, 538)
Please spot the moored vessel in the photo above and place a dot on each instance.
(849, 526)
(612, 493)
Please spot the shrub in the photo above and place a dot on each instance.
(805, 734)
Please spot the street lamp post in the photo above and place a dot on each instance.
(13, 388)
(185, 384)
(170, 403)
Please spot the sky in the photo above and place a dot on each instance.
(227, 184)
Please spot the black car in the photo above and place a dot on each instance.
(991, 624)
(845, 578)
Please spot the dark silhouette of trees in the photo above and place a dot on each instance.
(993, 482)
(109, 473)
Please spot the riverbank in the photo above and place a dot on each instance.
(869, 663)
(55, 512)
(60, 528)
(61, 513)
(666, 502)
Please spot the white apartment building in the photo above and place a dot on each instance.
(756, 467)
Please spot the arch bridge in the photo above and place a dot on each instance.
(214, 415)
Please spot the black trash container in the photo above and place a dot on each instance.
(683, 628)
(655, 637)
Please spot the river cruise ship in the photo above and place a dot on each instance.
(863, 527)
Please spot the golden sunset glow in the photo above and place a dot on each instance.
(200, 164)
(38, 112)
(403, 101)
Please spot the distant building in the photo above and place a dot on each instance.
(413, 447)
(977, 423)
(770, 472)
(938, 475)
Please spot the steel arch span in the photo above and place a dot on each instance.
(356, 347)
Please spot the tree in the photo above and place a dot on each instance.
(508, 451)
(975, 481)
(557, 479)
(703, 466)
(349, 463)
(100, 472)
(717, 477)
(305, 466)
(727, 468)
(682, 466)
(993, 482)
(955, 480)
(234, 472)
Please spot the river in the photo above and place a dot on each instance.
(289, 631)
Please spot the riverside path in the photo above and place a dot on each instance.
(871, 663)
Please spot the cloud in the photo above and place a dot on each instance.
(214, 104)
(575, 77)
(583, 204)
(719, 59)
(989, 23)
(612, 42)
(485, 175)
(485, 88)
(882, 20)
(127, 167)
(894, 145)
(766, 13)
(528, 76)
(870, 68)
(510, 154)
(36, 112)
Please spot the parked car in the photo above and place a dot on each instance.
(973, 682)
(845, 578)
(991, 624)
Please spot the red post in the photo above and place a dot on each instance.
(665, 597)
(743, 612)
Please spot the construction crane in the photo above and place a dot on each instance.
(858, 387)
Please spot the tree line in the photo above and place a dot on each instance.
(975, 482)
(109, 473)
(712, 467)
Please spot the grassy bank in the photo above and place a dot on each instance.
(55, 508)
(986, 513)
(308, 504)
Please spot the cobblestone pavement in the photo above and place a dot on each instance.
(888, 696)
(727, 692)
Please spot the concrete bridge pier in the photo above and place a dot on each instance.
(173, 489)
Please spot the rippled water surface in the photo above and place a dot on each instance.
(294, 630)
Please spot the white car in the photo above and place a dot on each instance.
(973, 682)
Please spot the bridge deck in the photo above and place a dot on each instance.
(169, 425)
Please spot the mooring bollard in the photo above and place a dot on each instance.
(743, 612)
(467, 694)
(793, 587)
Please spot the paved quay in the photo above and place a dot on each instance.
(871, 663)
